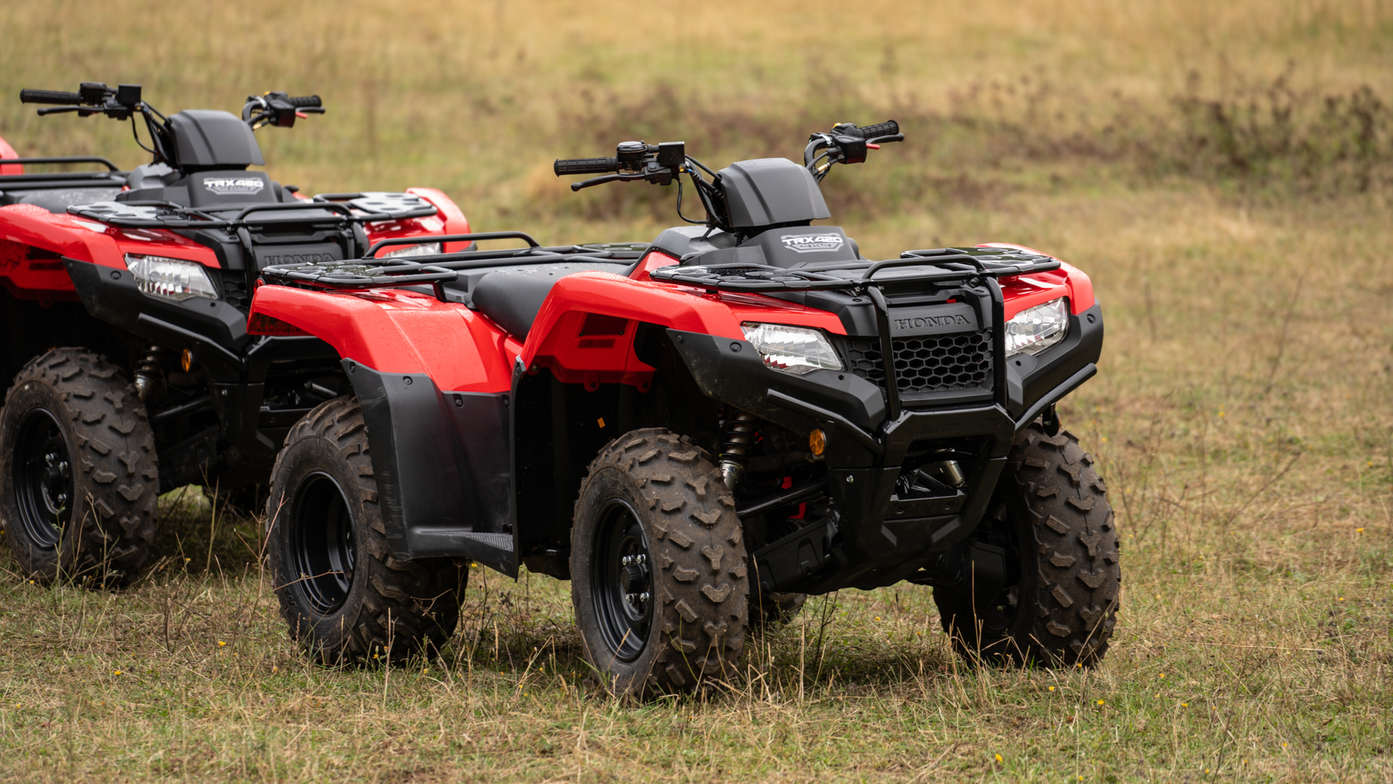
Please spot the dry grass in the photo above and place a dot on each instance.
(1232, 208)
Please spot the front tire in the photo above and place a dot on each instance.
(658, 567)
(1052, 519)
(78, 473)
(346, 598)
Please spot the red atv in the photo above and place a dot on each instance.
(127, 356)
(697, 432)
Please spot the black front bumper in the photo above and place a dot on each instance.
(880, 537)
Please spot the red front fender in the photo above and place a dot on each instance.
(396, 332)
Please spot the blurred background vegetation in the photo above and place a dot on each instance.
(1222, 170)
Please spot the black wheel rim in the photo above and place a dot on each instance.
(1001, 527)
(621, 581)
(322, 539)
(43, 478)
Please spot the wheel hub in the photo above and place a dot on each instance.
(636, 583)
(622, 581)
(322, 539)
(43, 478)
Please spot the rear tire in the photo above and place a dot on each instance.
(1052, 518)
(78, 472)
(346, 598)
(658, 567)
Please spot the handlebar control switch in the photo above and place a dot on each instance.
(672, 155)
(631, 155)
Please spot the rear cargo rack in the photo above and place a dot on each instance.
(372, 271)
(917, 267)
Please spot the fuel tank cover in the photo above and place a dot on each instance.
(768, 192)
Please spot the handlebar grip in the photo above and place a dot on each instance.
(887, 128)
(50, 96)
(564, 166)
(305, 101)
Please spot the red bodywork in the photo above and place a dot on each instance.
(584, 332)
(33, 241)
(6, 151)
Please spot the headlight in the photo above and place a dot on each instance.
(1035, 329)
(795, 350)
(424, 249)
(174, 279)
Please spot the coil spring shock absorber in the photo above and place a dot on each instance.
(737, 436)
(149, 378)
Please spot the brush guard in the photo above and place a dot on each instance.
(915, 268)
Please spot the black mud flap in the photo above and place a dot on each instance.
(442, 461)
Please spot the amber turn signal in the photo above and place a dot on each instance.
(817, 442)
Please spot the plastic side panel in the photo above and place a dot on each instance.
(398, 332)
(6, 151)
(559, 334)
(1027, 291)
(60, 234)
(453, 218)
(33, 273)
(92, 242)
(651, 261)
(147, 242)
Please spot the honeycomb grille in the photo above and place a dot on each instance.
(933, 363)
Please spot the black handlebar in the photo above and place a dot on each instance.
(50, 96)
(305, 101)
(564, 166)
(887, 128)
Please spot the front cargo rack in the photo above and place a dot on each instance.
(945, 265)
(334, 208)
(436, 269)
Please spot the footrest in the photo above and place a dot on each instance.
(490, 549)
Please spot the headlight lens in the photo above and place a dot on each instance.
(174, 279)
(424, 249)
(1035, 329)
(796, 350)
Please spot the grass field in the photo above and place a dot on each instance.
(1223, 171)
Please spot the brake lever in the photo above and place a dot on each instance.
(59, 110)
(575, 186)
(897, 137)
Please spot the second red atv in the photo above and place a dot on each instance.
(697, 432)
(129, 366)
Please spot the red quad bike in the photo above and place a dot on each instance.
(697, 432)
(126, 353)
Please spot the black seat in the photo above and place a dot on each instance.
(511, 297)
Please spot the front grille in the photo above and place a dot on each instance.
(932, 363)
